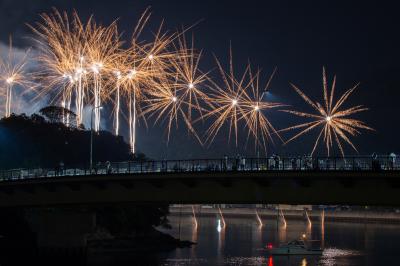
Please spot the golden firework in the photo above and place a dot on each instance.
(189, 79)
(74, 57)
(333, 119)
(255, 110)
(225, 101)
(240, 99)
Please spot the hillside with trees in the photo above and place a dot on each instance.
(44, 141)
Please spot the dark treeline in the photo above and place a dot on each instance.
(35, 141)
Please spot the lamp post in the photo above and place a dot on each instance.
(91, 135)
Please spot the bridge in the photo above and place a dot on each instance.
(360, 180)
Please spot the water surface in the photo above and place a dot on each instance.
(242, 240)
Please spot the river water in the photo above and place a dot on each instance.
(241, 242)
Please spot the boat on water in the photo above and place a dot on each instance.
(295, 247)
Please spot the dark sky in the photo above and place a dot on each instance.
(357, 40)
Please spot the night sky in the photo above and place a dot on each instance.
(357, 40)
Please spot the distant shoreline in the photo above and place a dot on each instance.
(315, 215)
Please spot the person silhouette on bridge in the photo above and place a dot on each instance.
(61, 168)
(375, 162)
(225, 163)
(277, 160)
(392, 160)
(108, 167)
(242, 163)
(294, 163)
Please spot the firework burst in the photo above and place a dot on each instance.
(241, 99)
(175, 83)
(166, 106)
(75, 57)
(254, 112)
(331, 117)
(225, 101)
(189, 80)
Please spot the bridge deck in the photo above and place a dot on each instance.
(291, 187)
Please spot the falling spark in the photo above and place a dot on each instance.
(117, 102)
(331, 117)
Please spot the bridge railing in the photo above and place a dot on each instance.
(294, 163)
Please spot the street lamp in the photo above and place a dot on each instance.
(91, 135)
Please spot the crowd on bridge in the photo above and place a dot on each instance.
(237, 163)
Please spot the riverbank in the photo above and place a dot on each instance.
(154, 241)
(367, 216)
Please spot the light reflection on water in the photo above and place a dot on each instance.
(241, 242)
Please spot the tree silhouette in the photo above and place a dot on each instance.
(57, 114)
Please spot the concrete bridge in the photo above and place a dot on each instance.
(352, 180)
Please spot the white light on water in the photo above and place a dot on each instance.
(219, 227)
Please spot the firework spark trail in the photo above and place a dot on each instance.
(97, 90)
(332, 119)
(117, 102)
(137, 77)
(79, 90)
(103, 49)
(132, 121)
